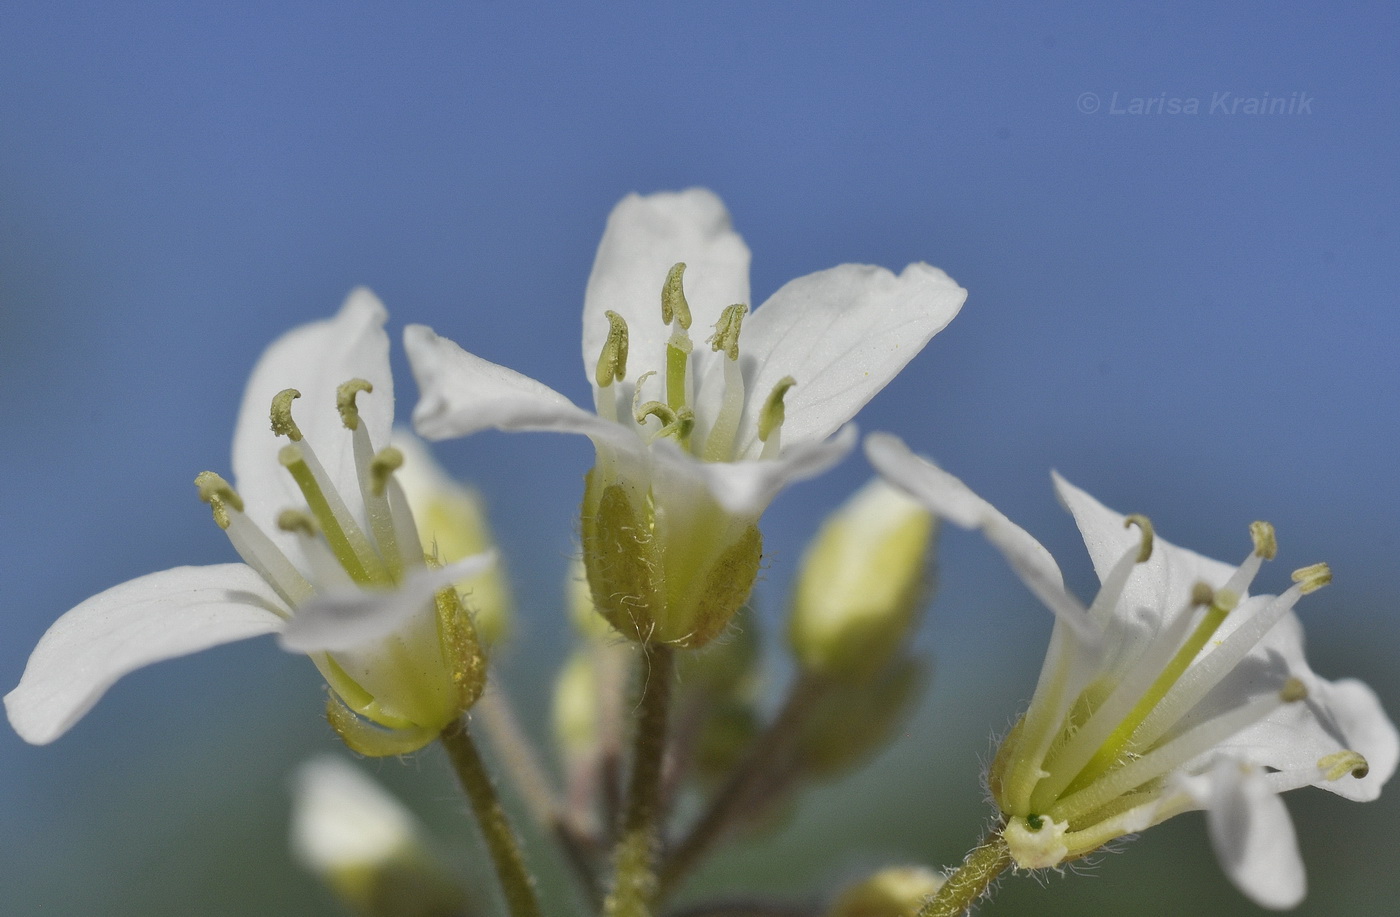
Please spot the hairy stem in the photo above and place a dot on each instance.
(635, 884)
(516, 883)
(971, 880)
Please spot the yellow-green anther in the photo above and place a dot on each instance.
(1338, 764)
(726, 336)
(1202, 594)
(773, 413)
(385, 462)
(673, 304)
(1293, 691)
(345, 401)
(1265, 543)
(673, 423)
(1145, 527)
(219, 494)
(612, 362)
(295, 520)
(1312, 578)
(282, 422)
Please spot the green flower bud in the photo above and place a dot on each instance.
(898, 891)
(575, 711)
(862, 582)
(452, 524)
(675, 578)
(853, 723)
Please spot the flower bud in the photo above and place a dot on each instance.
(862, 581)
(575, 710)
(452, 524)
(365, 845)
(898, 891)
(676, 577)
(855, 722)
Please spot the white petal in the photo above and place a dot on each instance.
(1163, 584)
(745, 488)
(645, 236)
(154, 617)
(342, 819)
(314, 359)
(953, 500)
(1251, 832)
(843, 334)
(340, 621)
(461, 394)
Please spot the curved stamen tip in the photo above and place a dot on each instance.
(674, 306)
(1312, 578)
(385, 462)
(1265, 543)
(726, 336)
(295, 520)
(1293, 691)
(1145, 527)
(345, 401)
(1202, 594)
(1338, 764)
(774, 413)
(282, 423)
(612, 362)
(219, 494)
(676, 423)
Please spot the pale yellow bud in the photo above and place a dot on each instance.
(575, 710)
(861, 584)
(452, 524)
(898, 891)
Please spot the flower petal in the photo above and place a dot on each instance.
(1162, 585)
(343, 819)
(461, 394)
(346, 620)
(145, 620)
(315, 359)
(746, 487)
(953, 500)
(644, 238)
(843, 334)
(1251, 832)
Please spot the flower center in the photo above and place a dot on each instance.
(667, 408)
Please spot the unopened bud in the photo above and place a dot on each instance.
(898, 891)
(852, 723)
(861, 583)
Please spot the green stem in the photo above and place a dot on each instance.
(971, 880)
(733, 800)
(516, 883)
(635, 885)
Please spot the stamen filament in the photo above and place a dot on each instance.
(348, 543)
(719, 442)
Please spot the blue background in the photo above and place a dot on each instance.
(1192, 316)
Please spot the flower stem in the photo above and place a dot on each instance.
(971, 880)
(635, 885)
(516, 882)
(733, 799)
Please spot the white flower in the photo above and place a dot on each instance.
(332, 560)
(694, 436)
(1174, 690)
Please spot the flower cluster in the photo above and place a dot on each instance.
(1176, 688)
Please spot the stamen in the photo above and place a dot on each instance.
(1312, 578)
(673, 423)
(1265, 542)
(1145, 527)
(770, 419)
(678, 350)
(1338, 764)
(674, 307)
(345, 401)
(326, 568)
(282, 422)
(348, 543)
(295, 520)
(219, 494)
(726, 336)
(1293, 691)
(381, 468)
(612, 362)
